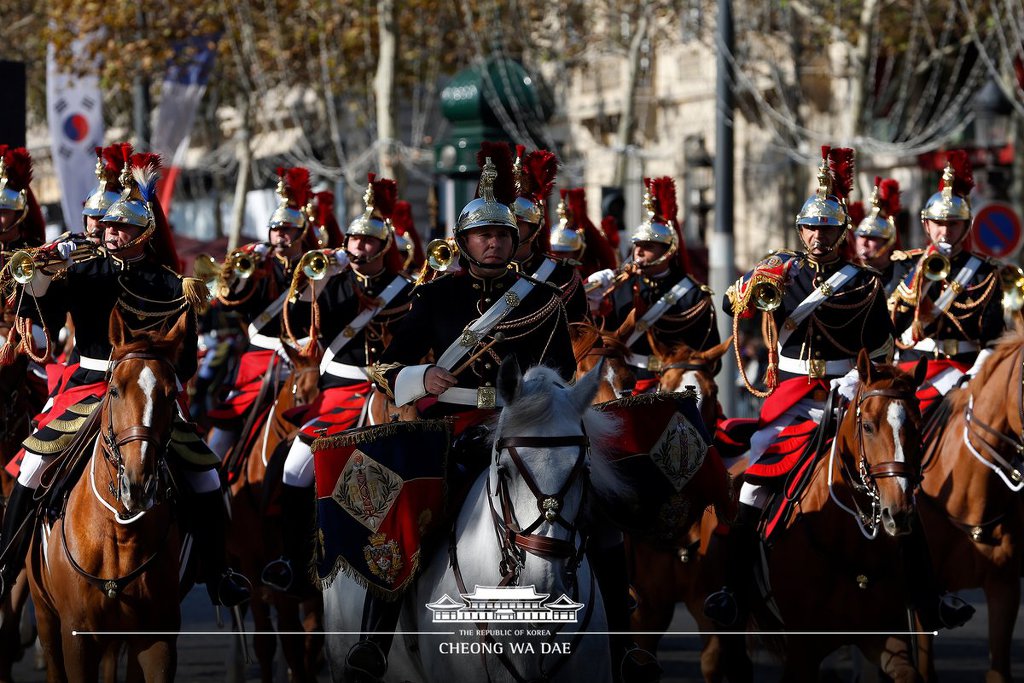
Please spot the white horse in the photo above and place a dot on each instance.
(540, 464)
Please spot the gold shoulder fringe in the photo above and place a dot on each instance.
(196, 293)
(352, 437)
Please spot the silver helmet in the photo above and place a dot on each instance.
(565, 237)
(885, 203)
(823, 207)
(135, 204)
(106, 191)
(485, 210)
(12, 198)
(375, 221)
(947, 204)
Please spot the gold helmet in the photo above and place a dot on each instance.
(494, 194)
(110, 163)
(379, 200)
(952, 202)
(660, 224)
(135, 205)
(827, 206)
(13, 183)
(885, 204)
(566, 238)
(295, 192)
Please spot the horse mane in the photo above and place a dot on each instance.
(534, 406)
(1009, 344)
(586, 337)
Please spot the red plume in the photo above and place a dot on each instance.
(856, 213)
(610, 228)
(385, 194)
(296, 180)
(825, 149)
(19, 168)
(114, 157)
(501, 156)
(840, 166)
(520, 151)
(963, 175)
(538, 178)
(599, 254)
(663, 191)
(402, 220)
(889, 196)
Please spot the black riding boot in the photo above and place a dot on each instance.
(290, 572)
(367, 660)
(208, 525)
(630, 664)
(729, 605)
(935, 608)
(14, 547)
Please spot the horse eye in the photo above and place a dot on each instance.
(869, 428)
(114, 392)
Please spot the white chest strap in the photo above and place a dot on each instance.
(271, 312)
(945, 299)
(803, 311)
(660, 308)
(361, 321)
(476, 330)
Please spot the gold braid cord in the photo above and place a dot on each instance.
(739, 295)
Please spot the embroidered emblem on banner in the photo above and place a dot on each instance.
(383, 557)
(679, 452)
(367, 490)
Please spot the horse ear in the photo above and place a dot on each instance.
(660, 350)
(716, 352)
(920, 372)
(864, 366)
(510, 379)
(627, 327)
(118, 333)
(294, 355)
(183, 326)
(586, 388)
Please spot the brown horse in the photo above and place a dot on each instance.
(110, 563)
(829, 568)
(973, 517)
(590, 346)
(683, 571)
(255, 538)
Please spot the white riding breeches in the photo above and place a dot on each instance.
(298, 467)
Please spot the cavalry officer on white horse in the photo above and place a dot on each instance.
(822, 312)
(948, 308)
(138, 276)
(255, 283)
(471, 321)
(357, 308)
(657, 285)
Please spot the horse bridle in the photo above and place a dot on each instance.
(515, 540)
(112, 442)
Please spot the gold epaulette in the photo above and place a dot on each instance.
(899, 255)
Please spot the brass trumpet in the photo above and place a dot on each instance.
(314, 264)
(936, 266)
(242, 263)
(766, 296)
(206, 269)
(442, 254)
(24, 263)
(1012, 280)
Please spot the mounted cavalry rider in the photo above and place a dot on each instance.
(668, 303)
(948, 309)
(875, 236)
(256, 279)
(820, 312)
(576, 239)
(469, 322)
(357, 308)
(534, 175)
(136, 276)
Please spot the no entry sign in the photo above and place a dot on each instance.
(997, 230)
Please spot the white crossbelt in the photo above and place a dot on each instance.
(652, 363)
(268, 314)
(344, 371)
(465, 397)
(492, 316)
(358, 323)
(268, 343)
(945, 299)
(831, 286)
(795, 366)
(94, 364)
(659, 309)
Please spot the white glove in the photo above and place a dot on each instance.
(596, 284)
(341, 261)
(847, 384)
(261, 249)
(64, 249)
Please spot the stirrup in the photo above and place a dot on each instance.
(639, 666)
(954, 611)
(278, 574)
(230, 592)
(365, 663)
(722, 607)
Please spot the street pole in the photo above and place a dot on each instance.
(140, 98)
(721, 250)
